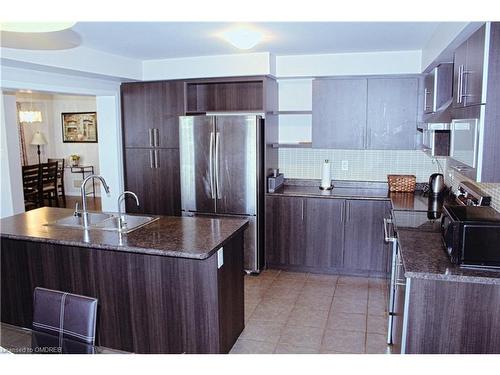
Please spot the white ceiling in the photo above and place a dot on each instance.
(158, 40)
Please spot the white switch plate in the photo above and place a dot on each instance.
(220, 257)
(345, 165)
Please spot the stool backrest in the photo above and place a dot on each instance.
(65, 315)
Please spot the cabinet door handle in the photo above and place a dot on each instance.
(342, 212)
(302, 209)
(156, 134)
(425, 99)
(347, 212)
(460, 82)
(157, 162)
(151, 157)
(151, 137)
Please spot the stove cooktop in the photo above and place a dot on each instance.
(424, 221)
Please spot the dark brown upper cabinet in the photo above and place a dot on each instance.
(150, 113)
(365, 113)
(339, 113)
(154, 175)
(468, 70)
(239, 94)
(438, 86)
(392, 114)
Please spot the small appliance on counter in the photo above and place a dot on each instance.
(275, 181)
(470, 195)
(471, 235)
(326, 176)
(436, 184)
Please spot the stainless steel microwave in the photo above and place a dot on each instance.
(471, 236)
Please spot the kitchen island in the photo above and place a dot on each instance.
(172, 286)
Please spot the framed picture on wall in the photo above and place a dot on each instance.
(79, 127)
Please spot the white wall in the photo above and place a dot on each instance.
(361, 63)
(11, 185)
(79, 60)
(208, 66)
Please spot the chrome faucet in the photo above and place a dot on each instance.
(121, 218)
(85, 214)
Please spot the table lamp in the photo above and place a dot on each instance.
(38, 140)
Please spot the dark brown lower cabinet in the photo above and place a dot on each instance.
(154, 175)
(364, 246)
(146, 303)
(326, 235)
(324, 232)
(285, 231)
(447, 317)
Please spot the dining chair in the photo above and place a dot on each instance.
(49, 182)
(31, 186)
(63, 321)
(60, 178)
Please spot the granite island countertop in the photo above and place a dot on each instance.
(182, 237)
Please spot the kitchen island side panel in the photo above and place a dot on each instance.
(449, 317)
(147, 303)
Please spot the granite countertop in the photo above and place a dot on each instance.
(424, 257)
(341, 189)
(182, 237)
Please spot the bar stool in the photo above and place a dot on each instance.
(63, 322)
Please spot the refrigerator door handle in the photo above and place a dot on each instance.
(211, 165)
(217, 156)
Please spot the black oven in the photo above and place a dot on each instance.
(471, 236)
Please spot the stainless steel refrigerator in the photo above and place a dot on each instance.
(221, 160)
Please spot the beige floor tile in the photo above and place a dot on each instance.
(354, 292)
(294, 349)
(308, 317)
(242, 346)
(319, 290)
(343, 341)
(376, 344)
(349, 305)
(347, 321)
(257, 282)
(260, 330)
(308, 337)
(289, 283)
(273, 310)
(376, 324)
(332, 279)
(353, 280)
(270, 272)
(249, 309)
(377, 305)
(316, 301)
(286, 275)
(321, 283)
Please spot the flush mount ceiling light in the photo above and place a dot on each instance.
(35, 27)
(243, 37)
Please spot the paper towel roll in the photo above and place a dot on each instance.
(326, 178)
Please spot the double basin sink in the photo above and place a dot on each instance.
(105, 221)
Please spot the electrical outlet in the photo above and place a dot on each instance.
(345, 165)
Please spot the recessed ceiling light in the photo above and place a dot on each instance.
(35, 27)
(243, 37)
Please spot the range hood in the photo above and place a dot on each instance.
(439, 120)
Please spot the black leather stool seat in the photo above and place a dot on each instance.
(65, 315)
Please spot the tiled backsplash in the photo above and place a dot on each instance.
(365, 165)
(453, 178)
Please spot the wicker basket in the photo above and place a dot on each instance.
(402, 182)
